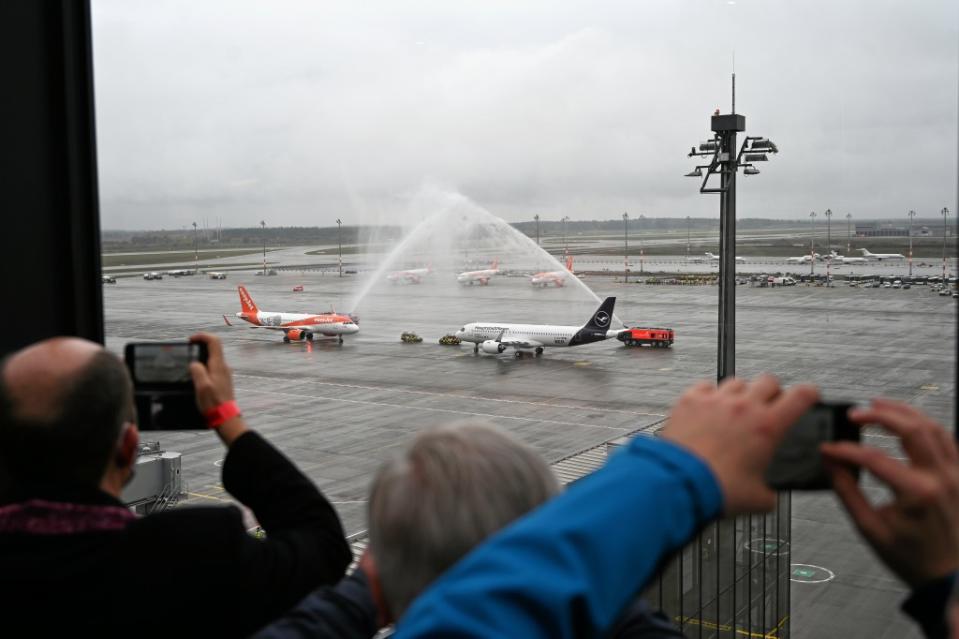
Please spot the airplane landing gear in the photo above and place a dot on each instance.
(286, 340)
(475, 349)
(308, 337)
(519, 354)
(539, 351)
(340, 339)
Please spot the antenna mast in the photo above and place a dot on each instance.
(734, 90)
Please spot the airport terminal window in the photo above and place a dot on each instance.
(435, 165)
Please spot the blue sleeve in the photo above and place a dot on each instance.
(569, 568)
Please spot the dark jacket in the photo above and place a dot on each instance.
(347, 611)
(640, 621)
(344, 611)
(80, 564)
(928, 605)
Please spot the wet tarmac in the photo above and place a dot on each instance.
(339, 410)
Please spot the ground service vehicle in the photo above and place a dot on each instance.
(655, 337)
(781, 281)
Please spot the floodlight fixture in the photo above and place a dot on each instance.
(697, 172)
(763, 143)
(756, 157)
(750, 170)
(709, 146)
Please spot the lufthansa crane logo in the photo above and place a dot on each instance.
(602, 318)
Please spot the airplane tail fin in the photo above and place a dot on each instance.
(603, 316)
(569, 263)
(246, 302)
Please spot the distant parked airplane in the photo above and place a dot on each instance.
(556, 278)
(842, 259)
(410, 276)
(482, 276)
(878, 257)
(715, 258)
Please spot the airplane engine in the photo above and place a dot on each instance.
(492, 347)
(295, 334)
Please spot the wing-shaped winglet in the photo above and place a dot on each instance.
(227, 321)
(500, 337)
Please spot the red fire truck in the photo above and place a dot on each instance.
(639, 336)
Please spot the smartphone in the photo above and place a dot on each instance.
(797, 463)
(162, 385)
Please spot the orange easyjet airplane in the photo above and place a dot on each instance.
(295, 326)
(556, 278)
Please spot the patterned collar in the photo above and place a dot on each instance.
(43, 517)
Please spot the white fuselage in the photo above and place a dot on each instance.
(878, 257)
(482, 276)
(547, 335)
(413, 275)
(803, 259)
(557, 278)
(849, 260)
(325, 324)
(715, 258)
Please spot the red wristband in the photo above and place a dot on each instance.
(216, 416)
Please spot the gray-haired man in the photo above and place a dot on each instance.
(453, 487)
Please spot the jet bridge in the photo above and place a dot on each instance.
(156, 482)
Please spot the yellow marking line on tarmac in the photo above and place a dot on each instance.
(436, 410)
(591, 409)
(204, 496)
(772, 634)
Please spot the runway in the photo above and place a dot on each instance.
(339, 411)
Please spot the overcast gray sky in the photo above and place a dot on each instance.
(302, 111)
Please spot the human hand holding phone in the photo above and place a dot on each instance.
(735, 427)
(917, 533)
(213, 384)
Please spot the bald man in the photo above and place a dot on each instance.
(74, 560)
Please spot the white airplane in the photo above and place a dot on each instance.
(410, 276)
(482, 276)
(495, 337)
(295, 326)
(715, 258)
(802, 259)
(556, 278)
(842, 259)
(878, 257)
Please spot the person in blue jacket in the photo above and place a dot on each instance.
(569, 568)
